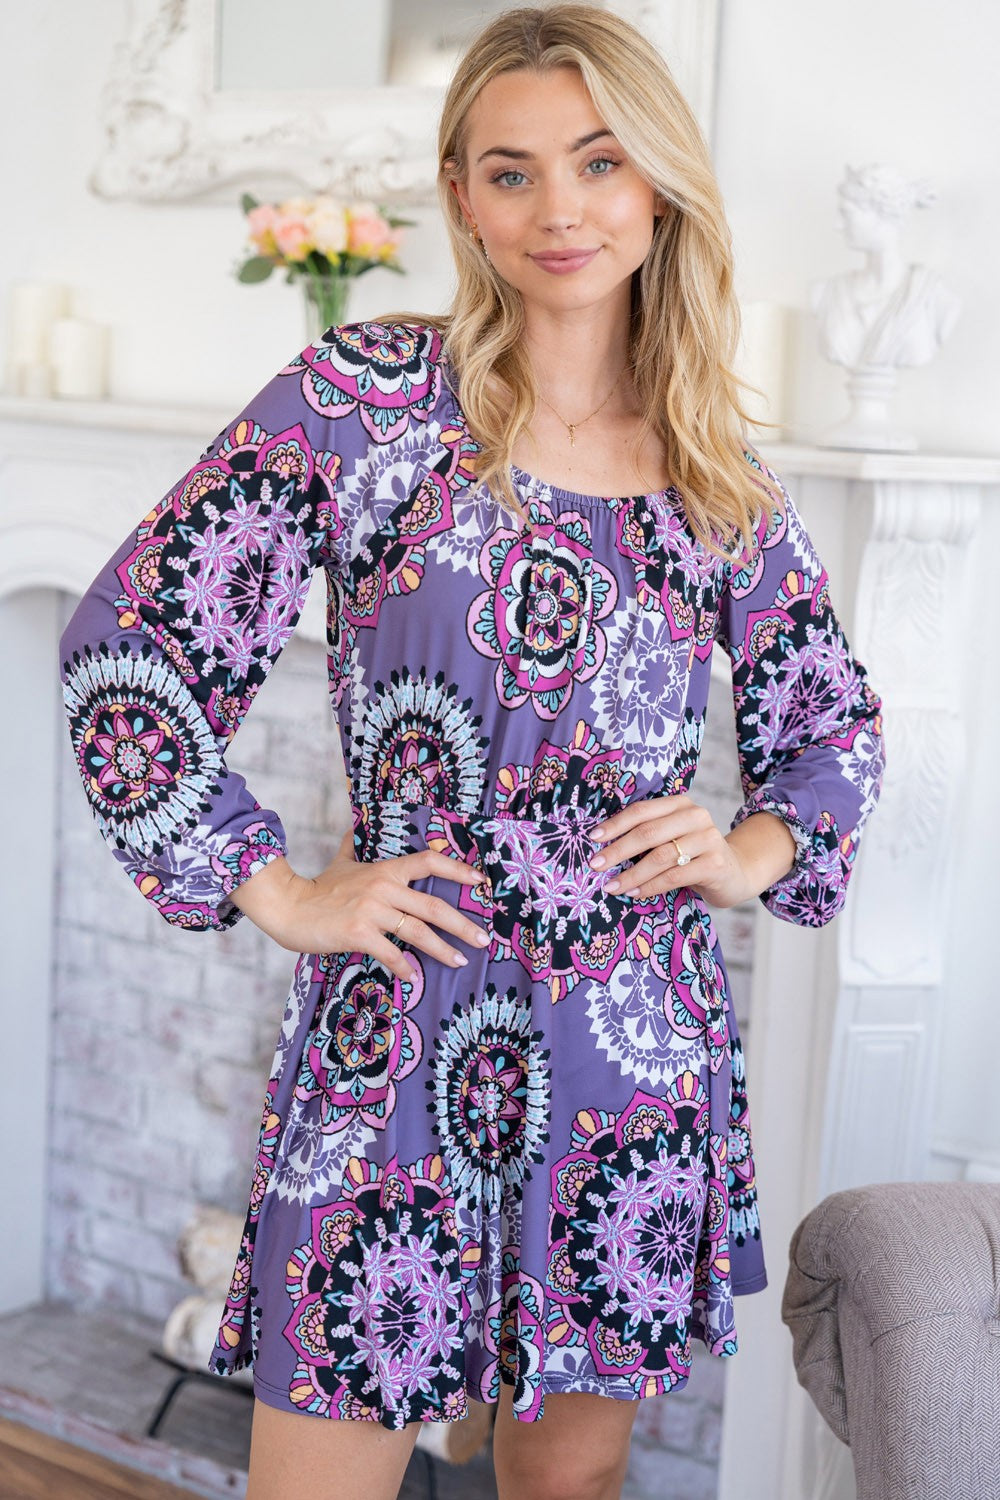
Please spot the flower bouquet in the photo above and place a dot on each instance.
(323, 244)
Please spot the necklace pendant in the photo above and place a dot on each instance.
(572, 434)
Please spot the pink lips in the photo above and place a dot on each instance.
(560, 262)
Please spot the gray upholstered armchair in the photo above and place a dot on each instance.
(893, 1302)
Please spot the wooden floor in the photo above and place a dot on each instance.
(36, 1467)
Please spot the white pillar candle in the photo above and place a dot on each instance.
(35, 381)
(32, 308)
(763, 359)
(78, 352)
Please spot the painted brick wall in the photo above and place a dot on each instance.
(163, 1040)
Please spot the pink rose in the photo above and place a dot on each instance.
(261, 224)
(367, 231)
(390, 249)
(291, 233)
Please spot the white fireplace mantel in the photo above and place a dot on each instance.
(842, 1020)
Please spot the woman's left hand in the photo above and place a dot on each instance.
(675, 843)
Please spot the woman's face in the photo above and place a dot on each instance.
(563, 214)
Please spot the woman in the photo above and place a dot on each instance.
(505, 1150)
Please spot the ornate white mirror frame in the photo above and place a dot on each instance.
(171, 135)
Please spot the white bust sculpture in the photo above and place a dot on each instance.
(887, 313)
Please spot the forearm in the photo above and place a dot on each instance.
(765, 848)
(267, 895)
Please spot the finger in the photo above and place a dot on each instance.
(682, 823)
(660, 867)
(426, 862)
(390, 957)
(641, 811)
(663, 885)
(435, 911)
(414, 932)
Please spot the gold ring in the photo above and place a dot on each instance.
(682, 858)
(395, 930)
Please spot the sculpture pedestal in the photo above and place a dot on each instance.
(867, 427)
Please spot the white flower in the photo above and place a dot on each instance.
(328, 225)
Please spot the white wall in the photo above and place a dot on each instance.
(806, 88)
(802, 90)
(184, 330)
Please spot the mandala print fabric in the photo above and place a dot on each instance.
(537, 1169)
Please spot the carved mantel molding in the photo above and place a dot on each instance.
(912, 622)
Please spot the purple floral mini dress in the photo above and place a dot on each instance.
(537, 1168)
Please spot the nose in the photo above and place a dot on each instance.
(560, 205)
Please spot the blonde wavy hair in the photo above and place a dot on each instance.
(684, 315)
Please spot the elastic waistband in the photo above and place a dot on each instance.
(562, 836)
(545, 905)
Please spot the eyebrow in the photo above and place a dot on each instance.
(515, 155)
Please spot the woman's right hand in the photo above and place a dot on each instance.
(352, 906)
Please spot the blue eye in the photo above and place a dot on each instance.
(501, 177)
(601, 161)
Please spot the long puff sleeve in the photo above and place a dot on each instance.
(172, 640)
(808, 722)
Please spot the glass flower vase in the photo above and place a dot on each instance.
(326, 300)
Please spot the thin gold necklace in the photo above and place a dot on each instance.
(572, 426)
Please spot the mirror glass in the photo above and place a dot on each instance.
(320, 44)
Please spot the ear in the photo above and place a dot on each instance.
(460, 193)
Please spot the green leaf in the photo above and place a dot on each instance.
(318, 263)
(247, 202)
(257, 268)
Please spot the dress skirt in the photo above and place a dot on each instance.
(525, 1169)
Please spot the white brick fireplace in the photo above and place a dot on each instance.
(136, 1055)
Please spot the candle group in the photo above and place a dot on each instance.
(50, 352)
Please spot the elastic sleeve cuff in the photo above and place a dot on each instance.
(765, 799)
(258, 846)
(814, 888)
(191, 883)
